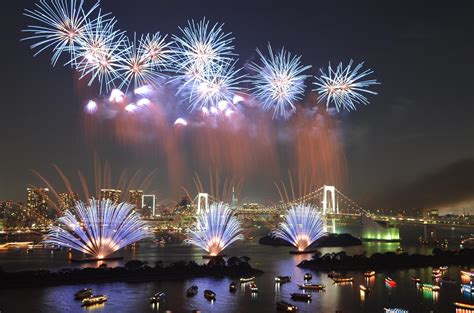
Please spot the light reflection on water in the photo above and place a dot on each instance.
(134, 297)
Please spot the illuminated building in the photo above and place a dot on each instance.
(113, 195)
(149, 204)
(37, 200)
(378, 231)
(250, 206)
(67, 200)
(135, 198)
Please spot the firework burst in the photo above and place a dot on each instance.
(101, 52)
(301, 227)
(215, 229)
(278, 81)
(344, 86)
(99, 229)
(61, 24)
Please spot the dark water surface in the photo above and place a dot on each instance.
(133, 297)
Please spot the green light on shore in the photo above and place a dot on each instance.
(382, 234)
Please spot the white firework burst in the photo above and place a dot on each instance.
(344, 86)
(278, 81)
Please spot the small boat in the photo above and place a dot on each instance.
(209, 295)
(244, 280)
(429, 287)
(369, 274)
(99, 299)
(415, 280)
(282, 279)
(312, 287)
(253, 287)
(301, 296)
(390, 282)
(233, 287)
(308, 276)
(443, 268)
(286, 307)
(466, 306)
(364, 289)
(395, 310)
(83, 293)
(436, 271)
(333, 274)
(466, 273)
(192, 291)
(343, 279)
(157, 297)
(467, 288)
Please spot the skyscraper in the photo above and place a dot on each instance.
(67, 200)
(149, 205)
(37, 200)
(113, 195)
(135, 198)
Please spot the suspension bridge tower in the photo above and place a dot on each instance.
(203, 202)
(329, 206)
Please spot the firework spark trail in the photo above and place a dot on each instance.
(99, 229)
(301, 227)
(62, 23)
(278, 81)
(215, 229)
(344, 86)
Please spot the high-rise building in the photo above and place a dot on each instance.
(149, 205)
(67, 200)
(113, 195)
(37, 200)
(135, 198)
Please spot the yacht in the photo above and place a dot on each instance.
(312, 287)
(390, 282)
(301, 296)
(210, 295)
(93, 300)
(369, 274)
(192, 291)
(286, 307)
(343, 279)
(244, 280)
(157, 297)
(282, 279)
(83, 293)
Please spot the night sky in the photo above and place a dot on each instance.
(402, 150)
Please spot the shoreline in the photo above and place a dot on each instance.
(388, 261)
(139, 272)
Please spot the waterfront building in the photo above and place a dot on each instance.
(135, 198)
(113, 195)
(149, 205)
(37, 200)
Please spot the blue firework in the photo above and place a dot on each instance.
(98, 229)
(278, 81)
(60, 25)
(345, 87)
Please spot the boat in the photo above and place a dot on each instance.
(429, 287)
(301, 296)
(282, 279)
(83, 293)
(369, 274)
(312, 287)
(308, 276)
(466, 273)
(443, 268)
(253, 287)
(395, 310)
(210, 295)
(157, 297)
(364, 289)
(99, 299)
(460, 305)
(436, 271)
(390, 282)
(399, 249)
(233, 287)
(415, 279)
(333, 274)
(286, 307)
(467, 288)
(343, 279)
(244, 280)
(192, 291)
